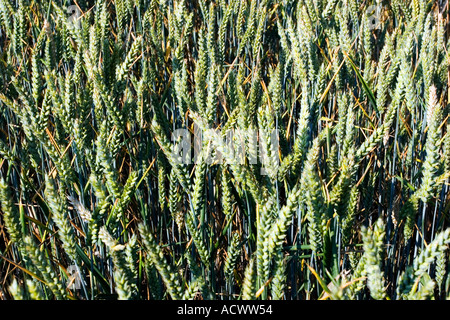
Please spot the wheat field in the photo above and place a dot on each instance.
(224, 150)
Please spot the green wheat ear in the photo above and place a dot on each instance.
(232, 255)
(16, 291)
(10, 213)
(60, 216)
(373, 240)
(278, 284)
(124, 272)
(249, 284)
(169, 276)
